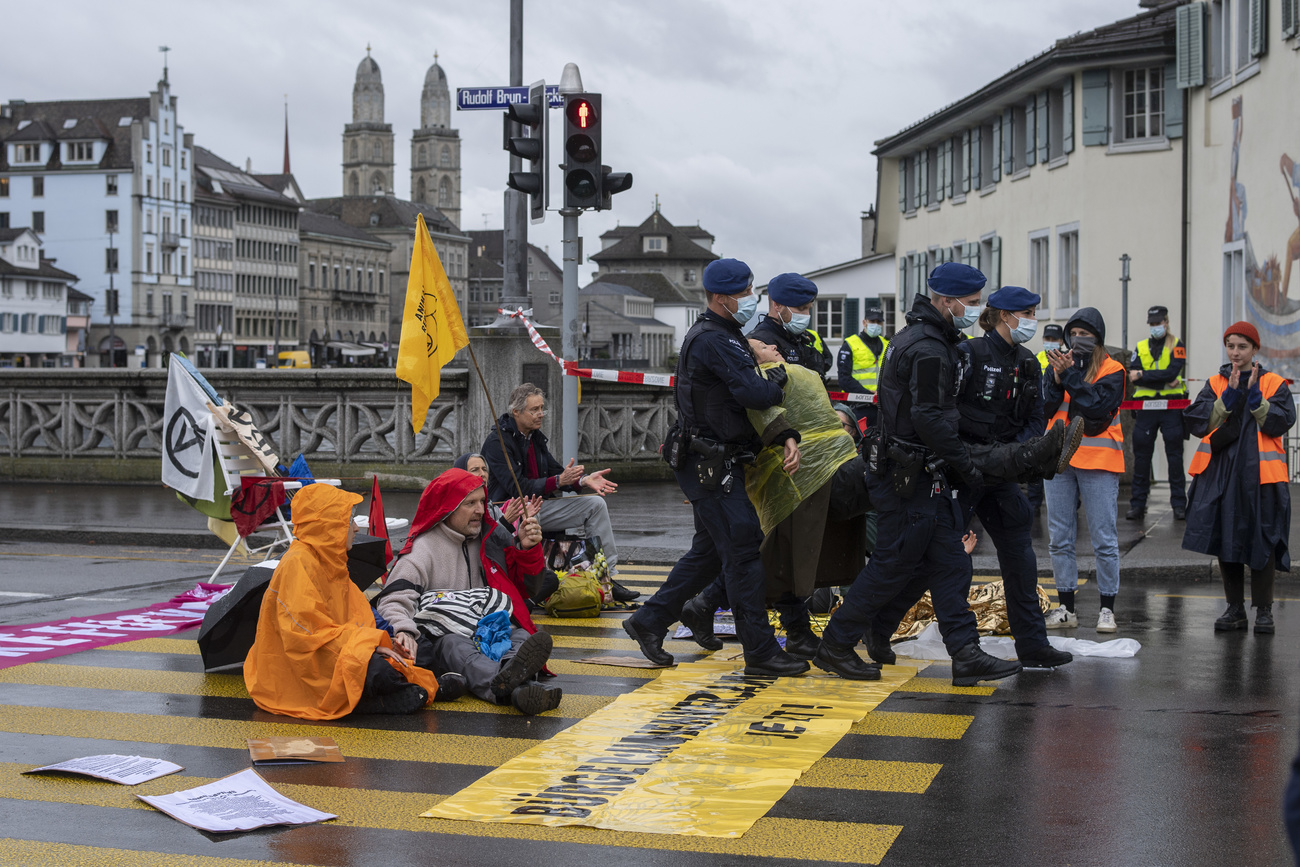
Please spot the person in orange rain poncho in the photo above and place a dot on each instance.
(318, 654)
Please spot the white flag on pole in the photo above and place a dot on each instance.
(187, 435)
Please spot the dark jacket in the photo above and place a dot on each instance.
(1096, 402)
(543, 483)
(718, 380)
(1156, 378)
(1002, 399)
(798, 349)
(1230, 515)
(844, 363)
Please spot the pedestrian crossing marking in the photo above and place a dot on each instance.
(943, 686)
(946, 726)
(870, 775)
(33, 852)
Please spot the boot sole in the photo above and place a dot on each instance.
(529, 659)
(975, 679)
(1233, 627)
(534, 698)
(759, 671)
(1073, 437)
(1263, 630)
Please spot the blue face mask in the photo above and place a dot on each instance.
(1024, 331)
(745, 309)
(969, 316)
(1157, 332)
(798, 323)
(874, 329)
(1051, 345)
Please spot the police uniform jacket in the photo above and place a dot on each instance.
(844, 363)
(805, 349)
(718, 380)
(1001, 401)
(1158, 379)
(919, 382)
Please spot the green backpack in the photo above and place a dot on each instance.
(578, 595)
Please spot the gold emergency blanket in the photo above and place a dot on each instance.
(823, 447)
(702, 750)
(987, 601)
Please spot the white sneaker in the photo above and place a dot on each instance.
(1106, 621)
(1061, 617)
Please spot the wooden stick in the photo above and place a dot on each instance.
(502, 440)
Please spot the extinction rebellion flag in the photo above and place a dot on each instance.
(187, 435)
(432, 330)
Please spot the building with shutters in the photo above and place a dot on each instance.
(343, 299)
(487, 278)
(1045, 176)
(34, 304)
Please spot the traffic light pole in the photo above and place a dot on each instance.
(514, 288)
(569, 331)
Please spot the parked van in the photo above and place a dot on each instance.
(295, 358)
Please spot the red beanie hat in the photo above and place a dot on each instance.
(1245, 329)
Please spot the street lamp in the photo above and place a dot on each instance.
(275, 282)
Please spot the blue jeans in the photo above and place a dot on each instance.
(1099, 491)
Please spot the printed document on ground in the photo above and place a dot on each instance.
(240, 802)
(127, 770)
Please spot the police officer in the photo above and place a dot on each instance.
(1156, 371)
(921, 523)
(717, 380)
(858, 364)
(787, 324)
(1053, 334)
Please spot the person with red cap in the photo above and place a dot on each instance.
(1239, 504)
(459, 568)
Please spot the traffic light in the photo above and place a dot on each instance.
(582, 170)
(531, 116)
(110, 302)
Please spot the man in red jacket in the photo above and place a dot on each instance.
(458, 569)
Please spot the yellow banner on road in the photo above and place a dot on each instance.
(702, 750)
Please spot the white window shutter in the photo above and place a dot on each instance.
(917, 174)
(941, 170)
(995, 158)
(995, 266)
(902, 184)
(1040, 114)
(975, 180)
(1096, 106)
(1258, 28)
(945, 169)
(965, 161)
(1008, 161)
(1189, 44)
(1173, 102)
(902, 278)
(1290, 12)
(1067, 118)
(1031, 132)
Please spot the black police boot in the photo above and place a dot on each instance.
(1135, 513)
(451, 686)
(801, 643)
(780, 665)
(845, 662)
(652, 646)
(878, 649)
(621, 593)
(1041, 454)
(699, 621)
(970, 665)
(1264, 619)
(1180, 514)
(1235, 618)
(1046, 656)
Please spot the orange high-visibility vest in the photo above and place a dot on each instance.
(1272, 457)
(1106, 450)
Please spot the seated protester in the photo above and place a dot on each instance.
(459, 566)
(318, 653)
(540, 475)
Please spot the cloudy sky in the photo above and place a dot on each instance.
(753, 117)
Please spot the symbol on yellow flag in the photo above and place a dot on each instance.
(432, 330)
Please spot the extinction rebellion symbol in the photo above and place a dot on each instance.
(183, 438)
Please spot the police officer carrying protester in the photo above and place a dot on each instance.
(708, 449)
(920, 466)
(1156, 371)
(858, 364)
(787, 324)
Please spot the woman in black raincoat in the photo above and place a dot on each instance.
(1239, 504)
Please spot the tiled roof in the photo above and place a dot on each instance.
(488, 266)
(45, 270)
(234, 181)
(678, 245)
(649, 283)
(95, 118)
(323, 224)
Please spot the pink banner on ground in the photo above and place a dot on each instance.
(34, 642)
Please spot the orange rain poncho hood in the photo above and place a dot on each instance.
(316, 632)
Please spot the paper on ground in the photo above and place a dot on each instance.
(293, 750)
(240, 802)
(929, 645)
(127, 770)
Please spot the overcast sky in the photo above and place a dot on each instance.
(753, 117)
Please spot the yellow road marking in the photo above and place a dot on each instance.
(188, 647)
(607, 620)
(946, 726)
(590, 669)
(868, 775)
(232, 686)
(232, 734)
(181, 646)
(31, 852)
(789, 839)
(943, 686)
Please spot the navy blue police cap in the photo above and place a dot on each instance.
(791, 290)
(955, 280)
(1013, 298)
(874, 313)
(727, 276)
(1052, 331)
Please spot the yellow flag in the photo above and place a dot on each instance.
(432, 330)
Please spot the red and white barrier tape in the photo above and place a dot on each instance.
(851, 397)
(1177, 403)
(518, 313)
(666, 380)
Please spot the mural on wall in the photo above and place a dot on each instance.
(1262, 290)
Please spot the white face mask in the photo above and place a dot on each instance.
(1157, 332)
(798, 323)
(1051, 345)
(874, 329)
(970, 315)
(1024, 331)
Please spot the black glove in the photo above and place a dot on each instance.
(973, 478)
(778, 375)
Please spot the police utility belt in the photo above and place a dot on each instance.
(904, 463)
(715, 462)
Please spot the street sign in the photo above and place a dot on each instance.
(498, 98)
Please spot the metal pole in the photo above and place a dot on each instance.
(275, 282)
(569, 330)
(514, 285)
(112, 310)
(1124, 260)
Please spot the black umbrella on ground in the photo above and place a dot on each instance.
(230, 626)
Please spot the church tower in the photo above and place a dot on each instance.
(435, 148)
(368, 141)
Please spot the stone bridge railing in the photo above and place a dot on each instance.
(334, 417)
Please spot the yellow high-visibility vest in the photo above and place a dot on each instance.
(866, 364)
(1177, 388)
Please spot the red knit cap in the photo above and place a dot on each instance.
(1245, 329)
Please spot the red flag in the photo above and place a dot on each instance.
(378, 526)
